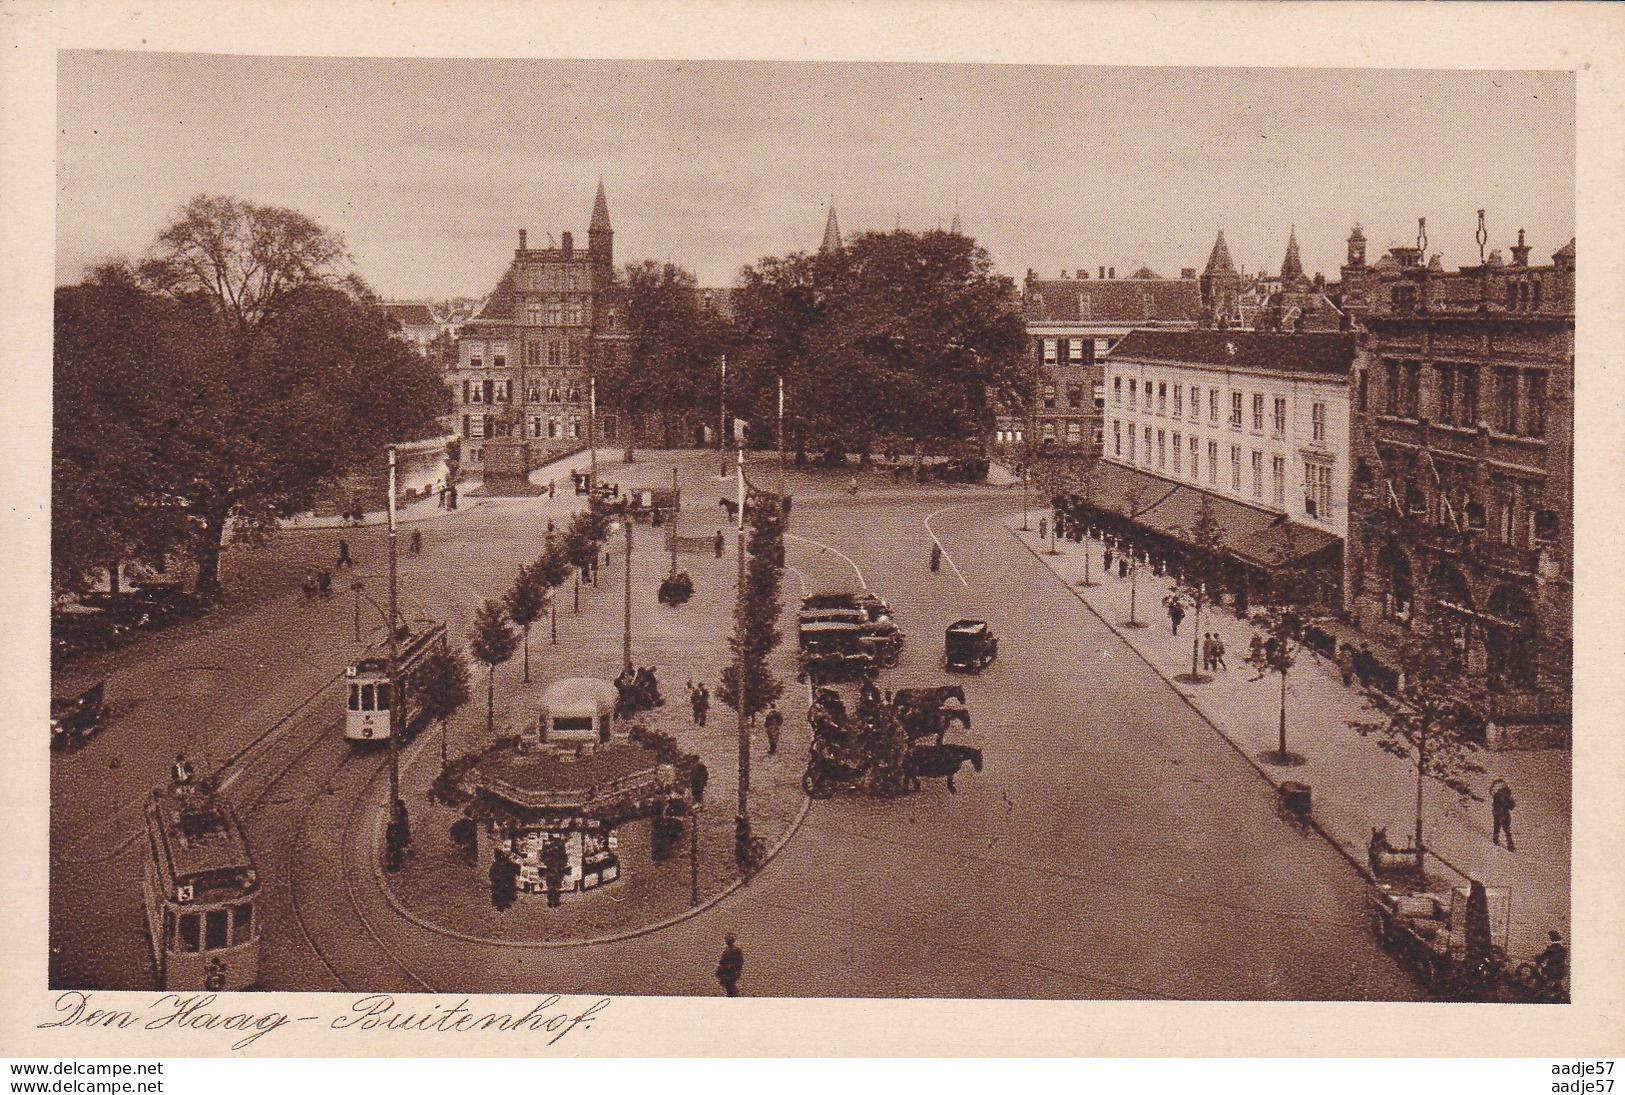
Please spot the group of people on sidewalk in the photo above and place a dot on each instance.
(699, 701)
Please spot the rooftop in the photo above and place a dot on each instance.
(1330, 353)
(1125, 300)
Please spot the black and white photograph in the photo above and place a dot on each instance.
(810, 529)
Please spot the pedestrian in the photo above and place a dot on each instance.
(936, 557)
(1108, 559)
(442, 494)
(773, 723)
(1043, 529)
(717, 543)
(182, 770)
(697, 780)
(552, 488)
(1501, 805)
(1176, 613)
(1122, 567)
(730, 966)
(324, 582)
(1345, 664)
(1255, 649)
(699, 700)
(344, 554)
(417, 541)
(451, 496)
(1218, 652)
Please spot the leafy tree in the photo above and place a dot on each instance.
(1434, 720)
(492, 642)
(899, 335)
(1206, 536)
(525, 602)
(443, 688)
(756, 615)
(1279, 641)
(552, 568)
(504, 881)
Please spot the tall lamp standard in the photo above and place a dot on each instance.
(722, 421)
(626, 635)
(744, 729)
(592, 436)
(395, 708)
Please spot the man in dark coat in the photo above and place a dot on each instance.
(344, 554)
(1501, 804)
(698, 779)
(730, 966)
(717, 543)
(773, 723)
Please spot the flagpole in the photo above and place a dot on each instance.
(781, 435)
(592, 435)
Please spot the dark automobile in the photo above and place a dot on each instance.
(76, 718)
(77, 629)
(970, 645)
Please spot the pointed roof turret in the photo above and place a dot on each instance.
(600, 212)
(955, 227)
(1218, 261)
(832, 232)
(1292, 265)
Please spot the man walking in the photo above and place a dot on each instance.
(442, 494)
(697, 780)
(773, 723)
(1345, 664)
(699, 700)
(344, 554)
(730, 966)
(717, 543)
(1501, 805)
(1218, 652)
(1176, 613)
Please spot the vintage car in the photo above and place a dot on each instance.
(77, 718)
(969, 645)
(833, 649)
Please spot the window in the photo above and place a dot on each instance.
(553, 428)
(216, 930)
(1117, 390)
(1100, 397)
(555, 313)
(1049, 397)
(1133, 397)
(533, 392)
(1074, 433)
(499, 361)
(574, 310)
(1162, 449)
(1100, 439)
(1280, 416)
(190, 940)
(1413, 390)
(1196, 460)
(1317, 423)
(575, 355)
(485, 427)
(504, 389)
(467, 426)
(1117, 438)
(1049, 351)
(1083, 351)
(1278, 480)
(1162, 398)
(1178, 449)
(1507, 419)
(475, 393)
(1131, 437)
(1447, 393)
(1258, 413)
(1317, 502)
(1508, 511)
(1392, 368)
(1147, 455)
(553, 393)
(1179, 401)
(1049, 430)
(1258, 474)
(242, 924)
(555, 355)
(1469, 395)
(383, 696)
(366, 698)
(355, 697)
(575, 428)
(1547, 526)
(1365, 390)
(466, 387)
(1235, 468)
(1074, 395)
(1213, 405)
(572, 394)
(1235, 410)
(1196, 403)
(490, 391)
(536, 426)
(1535, 409)
(533, 313)
(476, 355)
(1212, 463)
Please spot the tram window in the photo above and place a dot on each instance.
(242, 924)
(189, 933)
(366, 697)
(355, 697)
(383, 697)
(215, 924)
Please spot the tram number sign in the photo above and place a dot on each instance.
(183, 894)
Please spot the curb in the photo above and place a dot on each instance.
(376, 860)
(475, 501)
(1360, 868)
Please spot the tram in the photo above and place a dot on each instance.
(200, 889)
(367, 717)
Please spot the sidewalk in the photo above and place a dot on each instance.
(1356, 785)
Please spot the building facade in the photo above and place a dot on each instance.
(1072, 323)
(521, 388)
(1462, 437)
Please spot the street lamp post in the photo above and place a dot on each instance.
(741, 684)
(592, 438)
(722, 421)
(394, 654)
(626, 636)
(356, 587)
(781, 436)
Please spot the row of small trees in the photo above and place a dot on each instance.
(756, 634)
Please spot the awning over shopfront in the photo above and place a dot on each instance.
(1253, 536)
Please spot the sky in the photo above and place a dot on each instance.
(429, 168)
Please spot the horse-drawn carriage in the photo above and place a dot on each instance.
(1455, 942)
(843, 649)
(969, 645)
(74, 719)
(655, 504)
(637, 691)
(873, 748)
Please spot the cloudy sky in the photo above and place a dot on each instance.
(428, 167)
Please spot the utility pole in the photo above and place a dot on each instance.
(744, 728)
(394, 656)
(694, 854)
(671, 530)
(722, 420)
(626, 637)
(592, 438)
(781, 436)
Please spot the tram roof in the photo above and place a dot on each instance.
(210, 852)
(416, 645)
(579, 697)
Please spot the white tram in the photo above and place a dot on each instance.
(200, 888)
(367, 717)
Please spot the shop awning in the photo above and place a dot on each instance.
(1254, 536)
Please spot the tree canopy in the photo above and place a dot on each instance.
(899, 337)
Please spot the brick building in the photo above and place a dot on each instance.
(1462, 435)
(1071, 324)
(521, 387)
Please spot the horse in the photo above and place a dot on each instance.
(923, 714)
(939, 760)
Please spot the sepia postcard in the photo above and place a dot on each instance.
(753, 530)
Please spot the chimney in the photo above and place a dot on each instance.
(569, 243)
(1188, 272)
(1080, 274)
(1111, 273)
(1032, 275)
(521, 239)
(1320, 282)
(1520, 253)
(1102, 273)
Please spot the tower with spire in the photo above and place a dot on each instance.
(1221, 284)
(832, 232)
(601, 239)
(1292, 276)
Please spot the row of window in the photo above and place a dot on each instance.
(1142, 449)
(559, 353)
(482, 427)
(1074, 351)
(1156, 402)
(501, 391)
(1074, 396)
(213, 929)
(569, 312)
(1453, 397)
(1511, 512)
